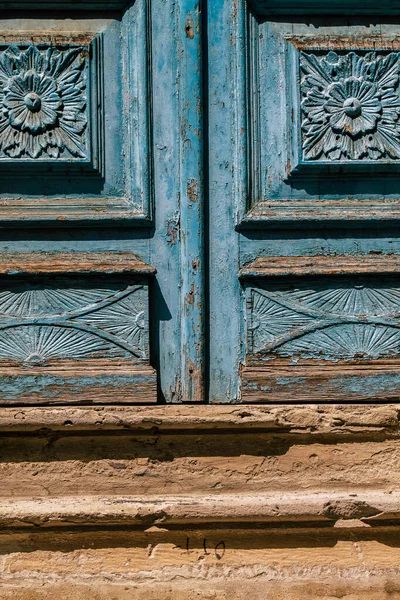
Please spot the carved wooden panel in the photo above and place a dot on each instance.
(350, 105)
(75, 115)
(100, 118)
(343, 319)
(327, 337)
(44, 99)
(42, 321)
(64, 338)
(319, 106)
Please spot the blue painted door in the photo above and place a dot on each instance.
(101, 276)
(304, 105)
(122, 278)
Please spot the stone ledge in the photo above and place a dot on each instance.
(295, 419)
(189, 510)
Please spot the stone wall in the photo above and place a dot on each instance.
(205, 503)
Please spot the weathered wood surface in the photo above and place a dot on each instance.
(102, 172)
(227, 190)
(79, 263)
(70, 382)
(273, 7)
(321, 329)
(192, 300)
(68, 339)
(265, 214)
(293, 266)
(64, 4)
(280, 381)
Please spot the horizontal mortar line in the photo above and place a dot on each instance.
(199, 509)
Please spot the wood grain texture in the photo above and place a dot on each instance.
(64, 4)
(280, 381)
(297, 266)
(330, 337)
(73, 263)
(332, 211)
(68, 382)
(65, 338)
(177, 246)
(227, 190)
(110, 142)
(272, 7)
(192, 301)
(281, 186)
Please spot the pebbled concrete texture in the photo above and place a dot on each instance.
(204, 503)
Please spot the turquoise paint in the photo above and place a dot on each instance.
(226, 75)
(258, 205)
(177, 302)
(151, 182)
(202, 92)
(53, 387)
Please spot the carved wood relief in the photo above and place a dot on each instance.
(320, 106)
(44, 102)
(75, 115)
(42, 322)
(75, 329)
(322, 329)
(341, 320)
(350, 105)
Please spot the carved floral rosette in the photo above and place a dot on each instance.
(350, 106)
(43, 102)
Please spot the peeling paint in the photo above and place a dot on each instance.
(189, 28)
(191, 190)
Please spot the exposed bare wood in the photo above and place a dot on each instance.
(289, 211)
(46, 36)
(76, 263)
(282, 381)
(66, 383)
(267, 266)
(337, 42)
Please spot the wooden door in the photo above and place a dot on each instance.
(304, 107)
(107, 251)
(101, 293)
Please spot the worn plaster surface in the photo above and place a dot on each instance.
(200, 503)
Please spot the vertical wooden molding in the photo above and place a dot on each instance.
(191, 204)
(137, 66)
(228, 185)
